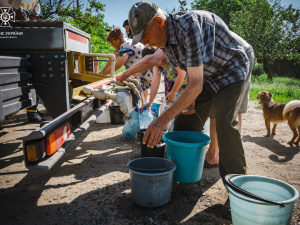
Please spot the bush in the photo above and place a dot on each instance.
(258, 69)
(284, 89)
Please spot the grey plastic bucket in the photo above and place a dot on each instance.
(151, 181)
(260, 200)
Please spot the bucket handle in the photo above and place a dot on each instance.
(229, 183)
(178, 117)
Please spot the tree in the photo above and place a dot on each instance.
(221, 8)
(290, 45)
(85, 15)
(274, 34)
(182, 7)
(271, 29)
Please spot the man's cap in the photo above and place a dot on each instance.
(139, 16)
(125, 23)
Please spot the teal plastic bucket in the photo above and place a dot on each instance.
(247, 210)
(187, 150)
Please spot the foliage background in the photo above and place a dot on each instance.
(271, 29)
(85, 15)
(284, 89)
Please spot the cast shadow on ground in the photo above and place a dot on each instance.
(7, 149)
(17, 121)
(6, 154)
(281, 152)
(211, 215)
(98, 205)
(3, 133)
(112, 204)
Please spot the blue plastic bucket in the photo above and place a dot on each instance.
(246, 210)
(187, 150)
(151, 181)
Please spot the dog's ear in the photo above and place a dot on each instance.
(270, 94)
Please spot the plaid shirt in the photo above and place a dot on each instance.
(201, 37)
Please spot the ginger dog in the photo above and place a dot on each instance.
(279, 112)
(291, 113)
(272, 111)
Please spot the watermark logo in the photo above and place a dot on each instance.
(6, 15)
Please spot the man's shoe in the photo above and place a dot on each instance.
(41, 114)
(226, 212)
(34, 117)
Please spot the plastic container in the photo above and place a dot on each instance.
(132, 125)
(146, 118)
(157, 151)
(155, 109)
(205, 128)
(104, 116)
(163, 105)
(168, 126)
(124, 92)
(116, 115)
(246, 210)
(187, 150)
(151, 181)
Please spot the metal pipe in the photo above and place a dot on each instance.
(111, 56)
(48, 163)
(41, 133)
(98, 84)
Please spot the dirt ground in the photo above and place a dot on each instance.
(90, 184)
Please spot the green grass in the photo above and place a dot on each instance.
(103, 63)
(283, 89)
(120, 70)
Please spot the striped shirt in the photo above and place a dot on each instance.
(201, 37)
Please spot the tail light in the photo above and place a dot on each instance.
(35, 151)
(53, 141)
(56, 138)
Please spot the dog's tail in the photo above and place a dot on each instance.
(289, 107)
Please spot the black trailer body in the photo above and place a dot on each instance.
(15, 92)
(45, 45)
(51, 58)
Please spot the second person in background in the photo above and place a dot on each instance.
(126, 54)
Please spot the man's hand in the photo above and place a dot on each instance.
(190, 110)
(154, 133)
